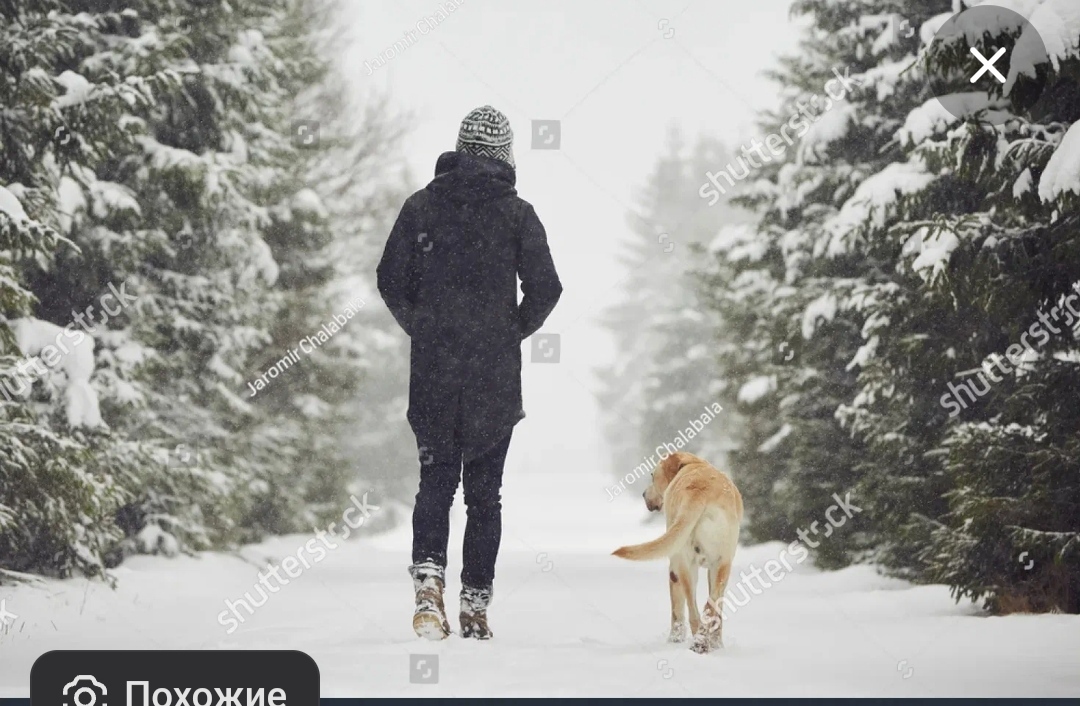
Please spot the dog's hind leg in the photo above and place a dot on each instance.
(678, 605)
(688, 583)
(710, 636)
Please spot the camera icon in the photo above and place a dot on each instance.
(184, 455)
(85, 685)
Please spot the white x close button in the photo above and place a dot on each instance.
(988, 64)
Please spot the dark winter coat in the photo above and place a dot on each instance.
(449, 276)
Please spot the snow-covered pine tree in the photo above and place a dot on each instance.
(735, 287)
(664, 374)
(966, 232)
(298, 476)
(337, 414)
(160, 143)
(362, 181)
(990, 250)
(364, 195)
(58, 493)
(785, 287)
(177, 215)
(683, 379)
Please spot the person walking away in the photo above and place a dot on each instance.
(449, 275)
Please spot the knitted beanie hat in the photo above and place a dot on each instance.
(486, 132)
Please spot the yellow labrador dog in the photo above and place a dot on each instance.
(703, 509)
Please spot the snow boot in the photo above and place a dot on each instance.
(474, 605)
(429, 619)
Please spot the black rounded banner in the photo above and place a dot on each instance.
(174, 678)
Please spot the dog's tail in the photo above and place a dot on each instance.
(666, 544)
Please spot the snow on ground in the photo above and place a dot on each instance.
(569, 619)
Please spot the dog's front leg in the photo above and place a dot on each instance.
(678, 605)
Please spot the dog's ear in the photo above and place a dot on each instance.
(670, 466)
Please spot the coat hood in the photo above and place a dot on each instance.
(466, 178)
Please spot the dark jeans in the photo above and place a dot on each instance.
(440, 471)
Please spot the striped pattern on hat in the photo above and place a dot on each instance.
(486, 132)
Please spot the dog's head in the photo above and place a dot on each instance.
(662, 476)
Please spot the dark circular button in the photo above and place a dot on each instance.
(983, 63)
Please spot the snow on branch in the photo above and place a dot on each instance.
(1062, 173)
(1053, 32)
(68, 350)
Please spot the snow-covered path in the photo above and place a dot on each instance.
(569, 620)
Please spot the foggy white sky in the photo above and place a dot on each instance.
(617, 73)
